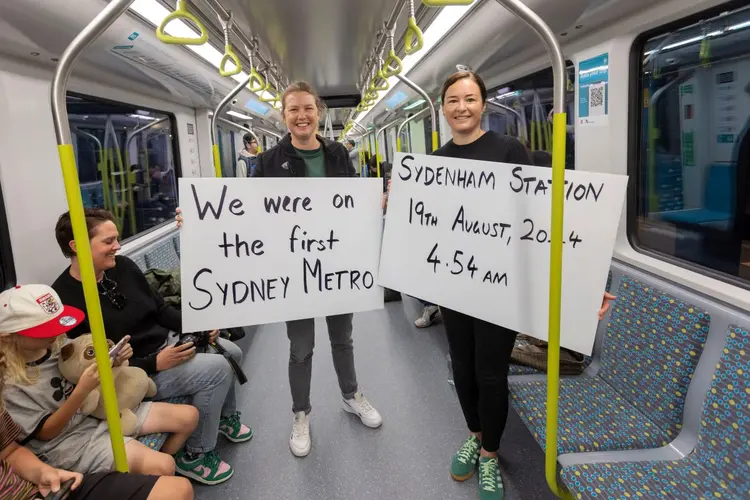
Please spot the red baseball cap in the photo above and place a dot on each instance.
(36, 311)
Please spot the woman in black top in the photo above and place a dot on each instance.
(480, 351)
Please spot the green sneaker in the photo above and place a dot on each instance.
(232, 429)
(465, 460)
(490, 481)
(207, 468)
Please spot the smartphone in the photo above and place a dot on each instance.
(118, 347)
(62, 492)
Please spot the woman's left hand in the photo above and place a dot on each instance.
(605, 304)
(213, 336)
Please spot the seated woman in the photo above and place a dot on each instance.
(33, 323)
(131, 307)
(24, 477)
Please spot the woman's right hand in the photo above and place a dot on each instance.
(89, 379)
(178, 217)
(171, 356)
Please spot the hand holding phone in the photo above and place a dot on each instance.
(62, 492)
(118, 347)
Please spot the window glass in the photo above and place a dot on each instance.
(127, 161)
(693, 153)
(523, 109)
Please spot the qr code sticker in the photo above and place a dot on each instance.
(597, 95)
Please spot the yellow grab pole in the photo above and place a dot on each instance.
(90, 33)
(559, 121)
(435, 141)
(216, 117)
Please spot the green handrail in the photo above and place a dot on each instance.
(181, 12)
(229, 54)
(389, 69)
(559, 121)
(83, 40)
(413, 37)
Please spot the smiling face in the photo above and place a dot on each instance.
(301, 114)
(463, 106)
(104, 245)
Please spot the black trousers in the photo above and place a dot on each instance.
(480, 354)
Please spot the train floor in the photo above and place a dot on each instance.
(403, 371)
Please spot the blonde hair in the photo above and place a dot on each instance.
(302, 87)
(13, 367)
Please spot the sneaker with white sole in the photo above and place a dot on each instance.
(299, 441)
(359, 406)
(430, 315)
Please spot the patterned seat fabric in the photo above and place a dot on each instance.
(719, 467)
(652, 345)
(592, 417)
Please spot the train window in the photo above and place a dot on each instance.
(523, 108)
(690, 144)
(127, 161)
(227, 151)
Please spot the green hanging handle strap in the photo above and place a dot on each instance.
(256, 83)
(271, 90)
(380, 76)
(392, 65)
(181, 12)
(229, 54)
(413, 37)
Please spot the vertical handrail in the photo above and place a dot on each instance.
(101, 166)
(223, 104)
(515, 112)
(403, 124)
(427, 99)
(379, 133)
(64, 68)
(537, 24)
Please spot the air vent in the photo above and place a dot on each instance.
(342, 101)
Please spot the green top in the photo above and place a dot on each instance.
(314, 160)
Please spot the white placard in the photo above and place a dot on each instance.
(473, 236)
(270, 250)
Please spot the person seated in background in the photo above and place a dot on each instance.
(33, 322)
(248, 156)
(131, 307)
(24, 477)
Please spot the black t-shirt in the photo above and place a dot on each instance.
(492, 146)
(145, 317)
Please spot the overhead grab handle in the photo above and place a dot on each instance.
(392, 64)
(256, 83)
(379, 76)
(181, 12)
(413, 40)
(268, 89)
(229, 54)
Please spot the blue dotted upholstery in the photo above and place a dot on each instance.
(592, 417)
(719, 467)
(649, 354)
(163, 256)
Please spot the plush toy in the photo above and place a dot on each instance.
(132, 384)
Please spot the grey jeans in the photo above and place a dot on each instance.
(301, 335)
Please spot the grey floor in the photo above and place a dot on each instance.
(403, 372)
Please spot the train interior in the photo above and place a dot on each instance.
(659, 409)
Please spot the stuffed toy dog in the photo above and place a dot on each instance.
(131, 384)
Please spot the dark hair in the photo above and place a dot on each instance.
(248, 138)
(302, 87)
(460, 75)
(64, 227)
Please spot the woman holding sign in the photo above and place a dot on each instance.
(480, 351)
(303, 153)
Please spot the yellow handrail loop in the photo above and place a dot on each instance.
(379, 76)
(229, 54)
(257, 83)
(181, 12)
(389, 69)
(413, 37)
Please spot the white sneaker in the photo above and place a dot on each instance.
(364, 410)
(430, 314)
(299, 441)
